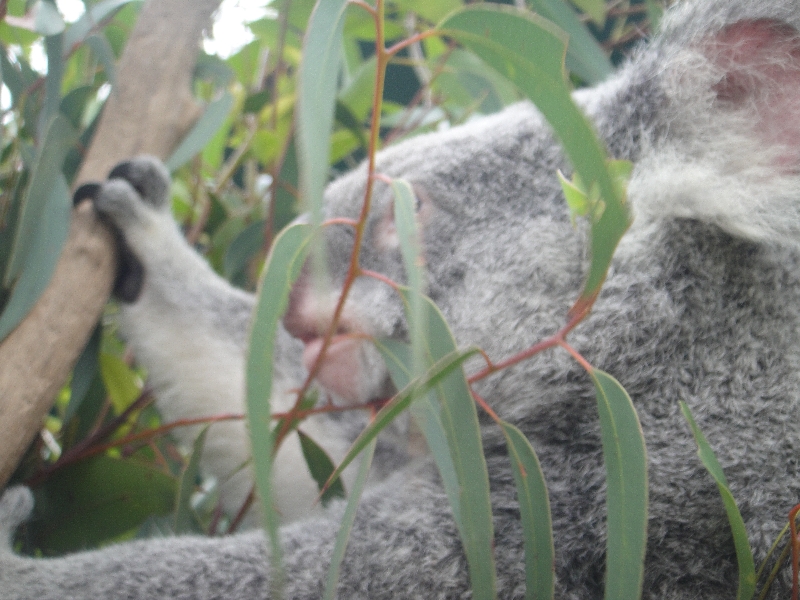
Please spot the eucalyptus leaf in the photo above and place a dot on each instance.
(215, 114)
(95, 500)
(426, 413)
(529, 51)
(44, 180)
(625, 458)
(86, 369)
(319, 71)
(185, 521)
(348, 519)
(46, 19)
(534, 509)
(81, 29)
(40, 251)
(281, 270)
(105, 54)
(744, 555)
(320, 466)
(585, 57)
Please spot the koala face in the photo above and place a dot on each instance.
(479, 213)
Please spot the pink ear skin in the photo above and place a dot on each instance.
(761, 61)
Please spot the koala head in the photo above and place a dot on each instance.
(706, 114)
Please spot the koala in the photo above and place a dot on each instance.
(701, 305)
(189, 328)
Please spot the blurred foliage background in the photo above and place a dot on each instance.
(104, 467)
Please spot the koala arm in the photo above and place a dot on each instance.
(189, 328)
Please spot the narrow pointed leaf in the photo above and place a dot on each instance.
(81, 29)
(184, 514)
(426, 413)
(41, 252)
(585, 57)
(534, 509)
(319, 72)
(411, 250)
(321, 466)
(625, 460)
(281, 270)
(213, 117)
(40, 193)
(529, 51)
(347, 521)
(459, 418)
(744, 555)
(416, 389)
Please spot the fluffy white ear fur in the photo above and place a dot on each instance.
(731, 156)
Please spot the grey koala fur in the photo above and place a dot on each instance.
(702, 304)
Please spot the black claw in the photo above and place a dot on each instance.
(121, 171)
(124, 170)
(88, 191)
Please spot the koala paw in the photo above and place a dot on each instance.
(148, 176)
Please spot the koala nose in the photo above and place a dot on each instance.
(347, 368)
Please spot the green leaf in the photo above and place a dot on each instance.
(585, 57)
(83, 374)
(625, 458)
(405, 220)
(357, 92)
(96, 500)
(40, 196)
(74, 103)
(416, 389)
(744, 555)
(243, 247)
(450, 419)
(321, 466)
(426, 413)
(46, 19)
(460, 420)
(347, 521)
(529, 51)
(319, 71)
(534, 508)
(432, 10)
(595, 9)
(281, 270)
(41, 251)
(466, 79)
(105, 54)
(185, 521)
(52, 82)
(203, 131)
(122, 383)
(81, 29)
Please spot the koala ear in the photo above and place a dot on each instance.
(760, 65)
(385, 235)
(730, 155)
(88, 191)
